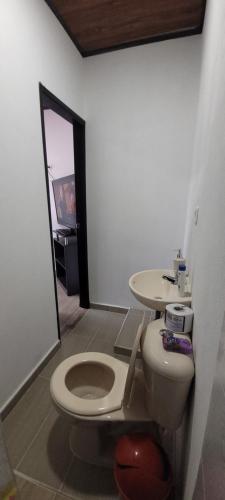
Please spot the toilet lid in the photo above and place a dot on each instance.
(131, 372)
(168, 364)
(89, 392)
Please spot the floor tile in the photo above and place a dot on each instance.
(89, 482)
(61, 497)
(219, 377)
(199, 493)
(98, 345)
(30, 491)
(49, 456)
(71, 344)
(105, 338)
(110, 325)
(91, 322)
(23, 422)
(6, 474)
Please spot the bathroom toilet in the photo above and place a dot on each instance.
(94, 389)
(89, 384)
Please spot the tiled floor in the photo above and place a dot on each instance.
(38, 438)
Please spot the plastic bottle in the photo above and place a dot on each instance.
(177, 262)
(181, 282)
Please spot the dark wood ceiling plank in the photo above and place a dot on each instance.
(101, 24)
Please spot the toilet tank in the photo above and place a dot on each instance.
(168, 377)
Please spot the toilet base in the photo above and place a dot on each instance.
(93, 445)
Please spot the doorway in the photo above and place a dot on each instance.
(63, 134)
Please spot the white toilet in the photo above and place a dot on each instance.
(94, 387)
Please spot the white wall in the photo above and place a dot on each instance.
(33, 48)
(141, 110)
(60, 152)
(206, 241)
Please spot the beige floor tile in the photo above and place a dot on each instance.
(49, 456)
(24, 420)
(29, 491)
(87, 482)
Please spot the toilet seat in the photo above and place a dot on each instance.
(85, 399)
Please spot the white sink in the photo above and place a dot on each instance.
(153, 291)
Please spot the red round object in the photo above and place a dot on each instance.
(141, 469)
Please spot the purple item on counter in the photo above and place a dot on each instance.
(177, 344)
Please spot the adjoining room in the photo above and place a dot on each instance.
(61, 186)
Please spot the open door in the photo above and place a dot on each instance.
(79, 232)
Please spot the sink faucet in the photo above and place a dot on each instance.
(169, 278)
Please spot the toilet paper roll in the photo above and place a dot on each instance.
(179, 318)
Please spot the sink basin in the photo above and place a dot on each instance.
(155, 292)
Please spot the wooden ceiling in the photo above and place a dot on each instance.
(97, 26)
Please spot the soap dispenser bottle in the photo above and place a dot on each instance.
(181, 282)
(177, 262)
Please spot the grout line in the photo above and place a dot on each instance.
(44, 377)
(35, 482)
(32, 440)
(221, 384)
(65, 476)
(203, 481)
(65, 495)
(92, 339)
(40, 484)
(99, 329)
(68, 468)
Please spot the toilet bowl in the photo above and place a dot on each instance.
(95, 389)
(89, 384)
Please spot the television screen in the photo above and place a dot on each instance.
(65, 203)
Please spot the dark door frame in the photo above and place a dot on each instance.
(50, 101)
